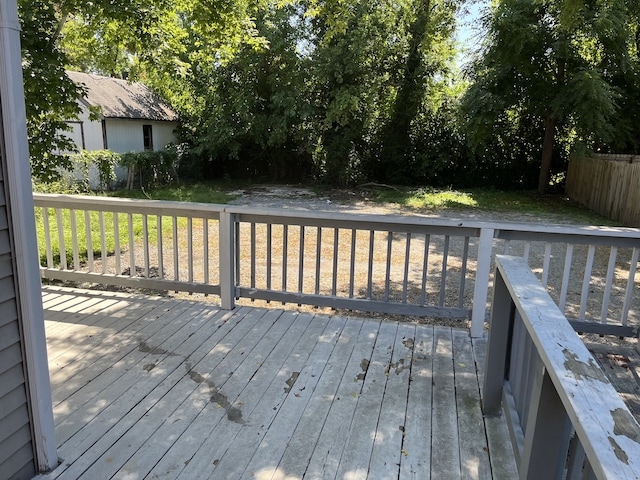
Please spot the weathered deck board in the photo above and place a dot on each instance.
(159, 388)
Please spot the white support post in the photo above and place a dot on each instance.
(21, 206)
(227, 260)
(481, 288)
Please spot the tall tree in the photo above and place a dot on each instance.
(426, 61)
(50, 96)
(146, 39)
(259, 100)
(548, 58)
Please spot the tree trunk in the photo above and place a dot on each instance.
(547, 152)
(396, 134)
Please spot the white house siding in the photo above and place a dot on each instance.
(124, 135)
(86, 134)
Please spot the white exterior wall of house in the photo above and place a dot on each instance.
(86, 134)
(126, 135)
(122, 135)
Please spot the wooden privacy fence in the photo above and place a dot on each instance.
(407, 265)
(608, 185)
(565, 419)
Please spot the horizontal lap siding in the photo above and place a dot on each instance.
(16, 449)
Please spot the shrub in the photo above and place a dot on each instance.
(153, 168)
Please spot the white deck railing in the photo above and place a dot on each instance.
(395, 264)
(565, 418)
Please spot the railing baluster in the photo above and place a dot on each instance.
(545, 266)
(576, 460)
(205, 248)
(253, 255)
(132, 254)
(103, 243)
(174, 231)
(116, 241)
(334, 279)
(370, 265)
(609, 281)
(61, 243)
(630, 285)
(87, 228)
(269, 262)
(228, 251)
(443, 279)
(190, 248)
(387, 275)
(407, 256)
(565, 277)
(352, 263)
(527, 251)
(318, 257)
(47, 236)
(236, 258)
(301, 261)
(160, 246)
(145, 236)
(463, 272)
(586, 281)
(74, 240)
(285, 245)
(425, 268)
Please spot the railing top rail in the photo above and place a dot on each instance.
(609, 433)
(396, 223)
(128, 205)
(622, 236)
(586, 235)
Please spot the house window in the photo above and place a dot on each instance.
(147, 135)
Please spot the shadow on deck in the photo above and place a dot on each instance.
(149, 387)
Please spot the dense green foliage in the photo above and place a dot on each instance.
(349, 91)
(152, 168)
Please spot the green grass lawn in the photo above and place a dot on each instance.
(205, 192)
(491, 200)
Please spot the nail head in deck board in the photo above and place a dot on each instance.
(287, 342)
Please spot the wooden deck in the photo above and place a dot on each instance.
(150, 387)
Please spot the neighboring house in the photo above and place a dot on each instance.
(133, 117)
(27, 433)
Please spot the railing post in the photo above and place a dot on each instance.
(502, 315)
(481, 288)
(227, 256)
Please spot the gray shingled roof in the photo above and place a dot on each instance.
(123, 99)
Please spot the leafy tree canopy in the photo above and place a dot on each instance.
(553, 60)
